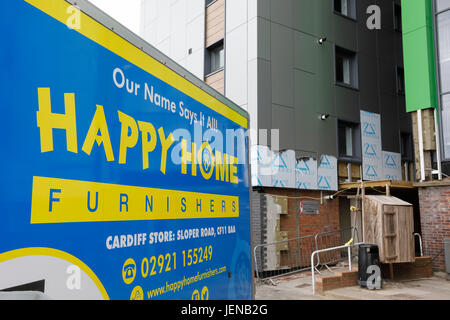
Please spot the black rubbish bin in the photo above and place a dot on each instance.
(368, 261)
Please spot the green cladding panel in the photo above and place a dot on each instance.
(419, 54)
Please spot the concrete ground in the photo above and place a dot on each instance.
(298, 287)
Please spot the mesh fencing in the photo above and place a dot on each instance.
(294, 255)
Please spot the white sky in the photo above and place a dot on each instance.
(127, 12)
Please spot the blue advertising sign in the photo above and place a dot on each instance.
(121, 179)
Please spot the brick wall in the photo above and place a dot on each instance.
(435, 221)
(297, 225)
(327, 220)
(257, 221)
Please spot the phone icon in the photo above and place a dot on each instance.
(129, 271)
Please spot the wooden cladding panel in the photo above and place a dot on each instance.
(355, 171)
(217, 81)
(215, 22)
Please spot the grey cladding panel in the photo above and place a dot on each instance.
(305, 91)
(282, 59)
(306, 117)
(347, 104)
(306, 138)
(387, 15)
(323, 18)
(388, 75)
(405, 120)
(264, 95)
(386, 47)
(398, 48)
(281, 12)
(367, 41)
(389, 123)
(304, 12)
(263, 39)
(283, 119)
(361, 8)
(264, 9)
(324, 81)
(368, 84)
(305, 52)
(326, 136)
(345, 32)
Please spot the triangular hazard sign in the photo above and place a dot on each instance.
(390, 161)
(302, 165)
(323, 183)
(371, 172)
(369, 129)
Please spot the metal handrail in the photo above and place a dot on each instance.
(420, 243)
(331, 249)
(354, 229)
(315, 236)
(274, 243)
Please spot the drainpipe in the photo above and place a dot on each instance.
(349, 172)
(406, 167)
(422, 159)
(438, 145)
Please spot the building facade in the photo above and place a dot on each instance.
(323, 82)
(426, 31)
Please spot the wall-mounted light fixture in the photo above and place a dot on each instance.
(322, 40)
(324, 117)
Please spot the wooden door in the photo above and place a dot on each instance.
(390, 233)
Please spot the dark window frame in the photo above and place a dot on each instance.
(209, 70)
(354, 67)
(353, 10)
(408, 155)
(400, 75)
(209, 2)
(398, 23)
(440, 94)
(356, 157)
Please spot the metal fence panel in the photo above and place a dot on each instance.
(283, 257)
(332, 239)
(294, 255)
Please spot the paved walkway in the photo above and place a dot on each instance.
(298, 287)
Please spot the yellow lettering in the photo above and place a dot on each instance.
(206, 160)
(47, 121)
(233, 170)
(127, 141)
(188, 157)
(99, 124)
(166, 143)
(222, 172)
(149, 139)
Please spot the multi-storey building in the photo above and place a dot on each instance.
(426, 37)
(325, 78)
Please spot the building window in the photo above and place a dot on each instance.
(400, 80)
(215, 58)
(209, 2)
(445, 120)
(346, 68)
(443, 25)
(397, 17)
(349, 140)
(345, 7)
(443, 45)
(406, 146)
(442, 5)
